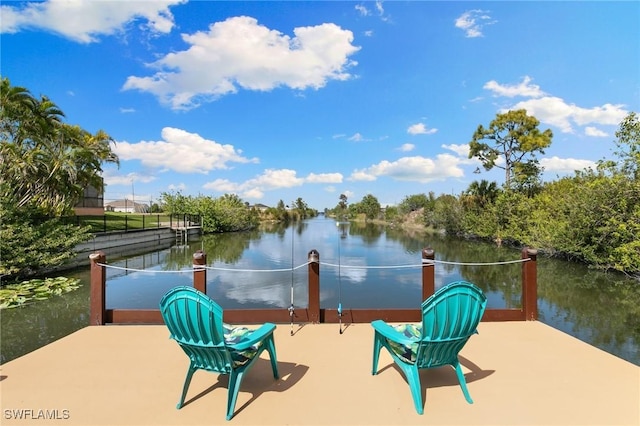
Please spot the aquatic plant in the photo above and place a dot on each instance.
(19, 294)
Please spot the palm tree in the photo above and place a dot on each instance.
(481, 193)
(45, 162)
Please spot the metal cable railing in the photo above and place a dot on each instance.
(332, 265)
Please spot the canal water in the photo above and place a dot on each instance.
(361, 266)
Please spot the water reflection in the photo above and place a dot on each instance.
(28, 328)
(601, 309)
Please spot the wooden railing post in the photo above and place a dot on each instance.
(530, 284)
(314, 286)
(428, 273)
(199, 272)
(97, 310)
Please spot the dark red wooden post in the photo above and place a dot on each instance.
(97, 310)
(428, 273)
(199, 272)
(530, 284)
(314, 286)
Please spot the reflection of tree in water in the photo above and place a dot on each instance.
(301, 226)
(277, 228)
(502, 279)
(280, 228)
(410, 243)
(607, 304)
(505, 279)
(603, 307)
(343, 229)
(53, 318)
(369, 232)
(226, 247)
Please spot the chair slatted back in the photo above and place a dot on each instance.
(449, 317)
(195, 322)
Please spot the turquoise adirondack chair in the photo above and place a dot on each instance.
(449, 317)
(195, 322)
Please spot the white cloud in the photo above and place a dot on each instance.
(127, 110)
(556, 112)
(473, 21)
(111, 177)
(356, 138)
(324, 178)
(407, 147)
(222, 185)
(182, 152)
(254, 188)
(379, 8)
(420, 129)
(565, 165)
(275, 179)
(179, 187)
(84, 21)
(362, 10)
(415, 169)
(240, 53)
(462, 150)
(253, 193)
(523, 88)
(362, 175)
(593, 131)
(269, 180)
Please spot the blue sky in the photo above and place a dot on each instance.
(279, 100)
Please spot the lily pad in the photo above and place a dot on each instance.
(19, 294)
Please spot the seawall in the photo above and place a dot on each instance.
(118, 244)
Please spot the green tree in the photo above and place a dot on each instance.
(44, 162)
(411, 203)
(303, 209)
(230, 214)
(176, 203)
(45, 165)
(342, 207)
(32, 243)
(513, 137)
(628, 145)
(481, 193)
(370, 207)
(447, 215)
(278, 213)
(391, 213)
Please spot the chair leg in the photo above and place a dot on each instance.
(413, 377)
(235, 379)
(187, 381)
(271, 348)
(463, 383)
(377, 344)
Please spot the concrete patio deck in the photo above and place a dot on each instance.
(518, 373)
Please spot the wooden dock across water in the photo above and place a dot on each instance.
(518, 373)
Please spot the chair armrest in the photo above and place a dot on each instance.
(254, 337)
(390, 333)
